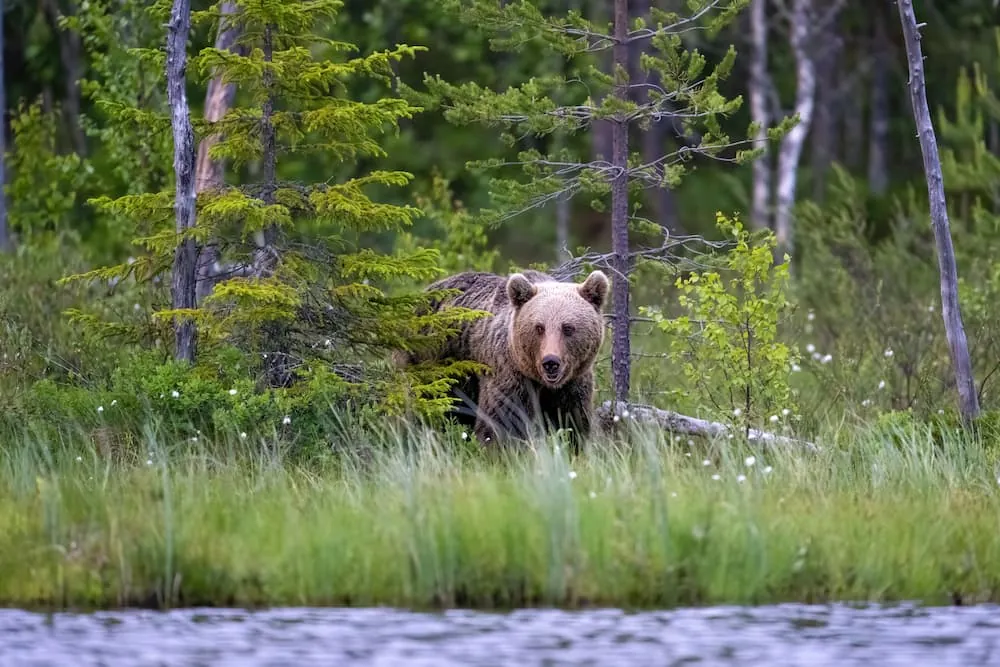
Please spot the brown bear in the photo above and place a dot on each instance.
(540, 343)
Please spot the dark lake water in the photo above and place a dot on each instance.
(776, 635)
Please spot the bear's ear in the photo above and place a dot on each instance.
(595, 289)
(519, 290)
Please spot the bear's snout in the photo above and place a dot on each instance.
(551, 365)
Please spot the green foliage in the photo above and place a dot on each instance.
(133, 157)
(874, 308)
(727, 342)
(306, 295)
(566, 103)
(45, 185)
(461, 239)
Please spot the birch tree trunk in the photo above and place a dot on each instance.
(790, 153)
(620, 343)
(184, 278)
(760, 215)
(968, 398)
(209, 172)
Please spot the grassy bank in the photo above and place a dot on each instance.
(419, 524)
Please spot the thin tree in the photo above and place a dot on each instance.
(209, 173)
(683, 90)
(759, 93)
(968, 398)
(185, 270)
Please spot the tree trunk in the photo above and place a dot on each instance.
(674, 422)
(264, 262)
(878, 133)
(829, 108)
(5, 242)
(760, 214)
(209, 173)
(276, 367)
(601, 130)
(186, 255)
(71, 56)
(791, 146)
(853, 101)
(620, 344)
(950, 310)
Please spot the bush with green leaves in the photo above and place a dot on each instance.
(726, 341)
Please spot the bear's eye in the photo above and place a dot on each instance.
(568, 330)
(539, 329)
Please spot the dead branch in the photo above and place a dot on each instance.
(675, 422)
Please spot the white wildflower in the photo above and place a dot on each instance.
(465, 436)
(149, 462)
(690, 443)
(773, 419)
(243, 435)
(673, 494)
(79, 459)
(881, 384)
(810, 348)
(796, 368)
(232, 392)
(100, 408)
(737, 412)
(716, 477)
(888, 352)
(624, 414)
(593, 494)
(287, 420)
(616, 418)
(706, 462)
(768, 469)
(811, 316)
(865, 403)
(114, 402)
(572, 474)
(827, 359)
(175, 393)
(741, 478)
(750, 461)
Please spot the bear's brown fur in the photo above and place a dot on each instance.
(540, 344)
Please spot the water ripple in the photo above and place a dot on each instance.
(781, 635)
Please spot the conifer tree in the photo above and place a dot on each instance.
(301, 293)
(685, 92)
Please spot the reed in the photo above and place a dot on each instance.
(411, 520)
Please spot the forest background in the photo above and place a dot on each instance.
(852, 333)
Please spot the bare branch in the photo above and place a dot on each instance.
(675, 422)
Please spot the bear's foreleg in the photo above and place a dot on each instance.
(503, 411)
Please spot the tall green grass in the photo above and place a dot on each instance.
(412, 520)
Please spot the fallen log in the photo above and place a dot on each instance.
(675, 422)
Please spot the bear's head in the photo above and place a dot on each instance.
(556, 328)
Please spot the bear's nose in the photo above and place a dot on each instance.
(551, 364)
